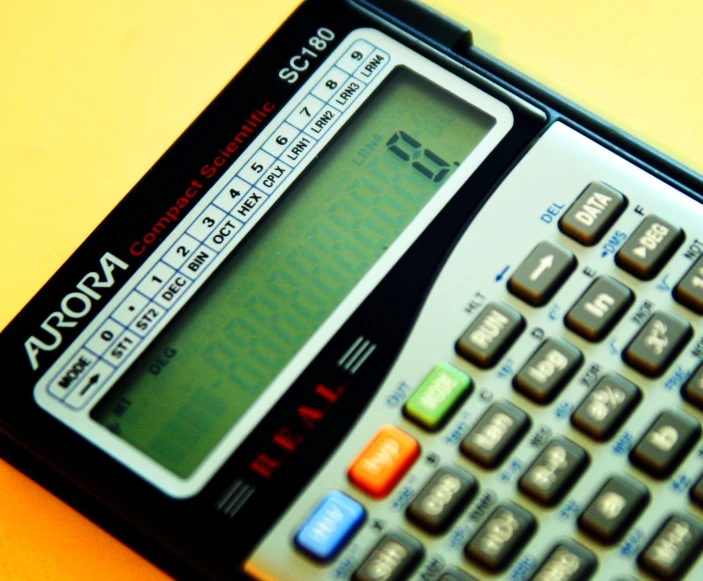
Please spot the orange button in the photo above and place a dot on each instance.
(384, 461)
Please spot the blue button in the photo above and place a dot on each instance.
(332, 522)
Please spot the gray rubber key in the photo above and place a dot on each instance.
(548, 370)
(674, 548)
(489, 336)
(649, 247)
(593, 213)
(665, 444)
(657, 344)
(599, 308)
(542, 273)
(689, 290)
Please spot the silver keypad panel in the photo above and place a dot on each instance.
(600, 480)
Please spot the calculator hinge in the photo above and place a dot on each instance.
(415, 17)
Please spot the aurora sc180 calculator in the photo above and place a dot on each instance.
(387, 310)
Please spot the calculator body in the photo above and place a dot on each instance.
(528, 169)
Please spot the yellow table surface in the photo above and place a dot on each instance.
(92, 93)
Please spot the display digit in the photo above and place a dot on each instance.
(394, 146)
(402, 137)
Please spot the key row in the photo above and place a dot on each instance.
(651, 351)
(608, 516)
(647, 249)
(661, 449)
(549, 265)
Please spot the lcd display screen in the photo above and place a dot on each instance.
(199, 377)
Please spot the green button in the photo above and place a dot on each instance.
(438, 395)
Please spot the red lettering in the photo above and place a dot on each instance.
(137, 249)
(328, 394)
(264, 465)
(208, 171)
(287, 439)
(309, 416)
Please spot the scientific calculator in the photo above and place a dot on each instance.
(386, 311)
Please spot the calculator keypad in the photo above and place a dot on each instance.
(554, 471)
(614, 509)
(693, 388)
(496, 434)
(606, 407)
(568, 561)
(593, 213)
(548, 370)
(384, 461)
(456, 575)
(503, 534)
(649, 248)
(689, 290)
(331, 524)
(666, 443)
(437, 396)
(490, 335)
(657, 344)
(392, 559)
(599, 308)
(697, 492)
(542, 273)
(441, 500)
(568, 457)
(674, 547)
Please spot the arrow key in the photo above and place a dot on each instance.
(90, 385)
(542, 273)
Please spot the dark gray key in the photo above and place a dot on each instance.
(554, 471)
(657, 344)
(606, 408)
(593, 213)
(501, 537)
(548, 370)
(666, 443)
(674, 548)
(568, 561)
(649, 247)
(456, 575)
(697, 492)
(599, 308)
(393, 559)
(442, 499)
(693, 388)
(614, 509)
(542, 273)
(489, 336)
(496, 434)
(689, 291)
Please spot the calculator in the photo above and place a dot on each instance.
(386, 311)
